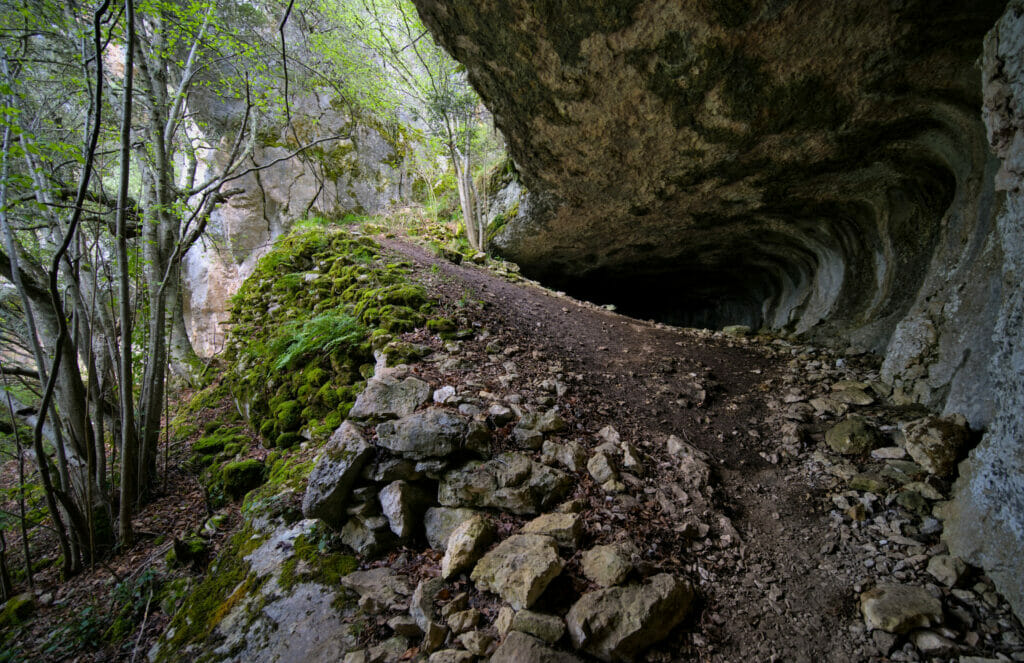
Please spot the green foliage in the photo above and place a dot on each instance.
(83, 631)
(321, 334)
(130, 599)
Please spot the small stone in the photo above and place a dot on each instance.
(853, 396)
(528, 438)
(565, 528)
(500, 414)
(510, 482)
(601, 468)
(924, 489)
(432, 433)
(463, 621)
(383, 585)
(367, 536)
(631, 457)
(17, 609)
(466, 545)
(613, 486)
(912, 501)
(444, 394)
(931, 643)
(736, 331)
(476, 642)
(548, 628)
(889, 453)
(857, 512)
(853, 436)
(389, 650)
(693, 463)
(947, 569)
(869, 482)
(935, 442)
(405, 626)
(458, 603)
(572, 455)
(403, 505)
(421, 607)
(434, 636)
(900, 608)
(503, 622)
(519, 569)
(451, 656)
(884, 642)
(610, 435)
(607, 565)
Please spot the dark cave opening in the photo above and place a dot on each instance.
(703, 298)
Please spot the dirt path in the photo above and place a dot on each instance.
(766, 598)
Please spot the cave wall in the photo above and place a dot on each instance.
(985, 521)
(817, 167)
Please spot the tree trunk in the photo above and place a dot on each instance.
(184, 361)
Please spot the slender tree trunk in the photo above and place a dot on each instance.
(22, 511)
(129, 443)
(184, 361)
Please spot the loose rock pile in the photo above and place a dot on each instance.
(416, 464)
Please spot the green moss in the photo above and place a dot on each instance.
(208, 445)
(315, 563)
(285, 482)
(193, 549)
(289, 416)
(400, 352)
(226, 583)
(17, 609)
(287, 440)
(242, 476)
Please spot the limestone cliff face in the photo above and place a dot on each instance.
(813, 166)
(985, 523)
(361, 174)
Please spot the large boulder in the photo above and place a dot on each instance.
(334, 474)
(935, 442)
(433, 433)
(381, 586)
(466, 544)
(900, 608)
(440, 521)
(403, 504)
(510, 482)
(617, 624)
(852, 436)
(519, 569)
(386, 398)
(522, 648)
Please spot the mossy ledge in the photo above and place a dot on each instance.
(305, 326)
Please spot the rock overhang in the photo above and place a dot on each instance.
(780, 163)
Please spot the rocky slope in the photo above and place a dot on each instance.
(551, 481)
(825, 168)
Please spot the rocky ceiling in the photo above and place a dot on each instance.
(777, 162)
